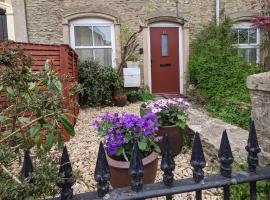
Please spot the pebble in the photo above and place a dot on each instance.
(83, 150)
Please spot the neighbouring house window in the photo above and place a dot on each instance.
(94, 39)
(3, 25)
(247, 40)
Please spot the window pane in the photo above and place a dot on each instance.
(243, 36)
(235, 36)
(85, 54)
(252, 55)
(164, 45)
(3, 27)
(252, 36)
(83, 36)
(243, 53)
(102, 35)
(249, 55)
(104, 56)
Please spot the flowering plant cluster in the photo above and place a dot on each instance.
(120, 97)
(171, 111)
(119, 131)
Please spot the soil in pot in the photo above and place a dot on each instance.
(119, 171)
(176, 137)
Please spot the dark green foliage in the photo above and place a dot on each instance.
(220, 74)
(40, 184)
(99, 83)
(241, 192)
(30, 119)
(145, 95)
(173, 115)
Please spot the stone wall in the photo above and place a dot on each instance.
(259, 86)
(44, 18)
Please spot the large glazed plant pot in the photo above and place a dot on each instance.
(119, 171)
(176, 137)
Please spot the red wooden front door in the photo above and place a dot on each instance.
(165, 60)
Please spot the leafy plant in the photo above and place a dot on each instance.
(241, 192)
(172, 115)
(99, 83)
(31, 117)
(170, 111)
(145, 96)
(119, 131)
(219, 74)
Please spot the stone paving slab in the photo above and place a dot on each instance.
(211, 130)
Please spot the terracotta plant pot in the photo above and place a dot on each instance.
(119, 171)
(176, 136)
(120, 102)
(143, 110)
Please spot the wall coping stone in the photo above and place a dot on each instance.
(259, 82)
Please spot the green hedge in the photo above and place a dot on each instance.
(219, 74)
(99, 83)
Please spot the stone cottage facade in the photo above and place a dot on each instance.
(93, 27)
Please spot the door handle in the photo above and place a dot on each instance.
(165, 65)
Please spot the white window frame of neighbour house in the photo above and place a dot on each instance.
(248, 25)
(94, 22)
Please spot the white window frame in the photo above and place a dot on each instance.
(94, 22)
(248, 25)
(10, 20)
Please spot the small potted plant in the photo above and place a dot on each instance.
(172, 116)
(120, 99)
(132, 96)
(118, 133)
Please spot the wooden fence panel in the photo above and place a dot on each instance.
(64, 61)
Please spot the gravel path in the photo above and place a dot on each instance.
(84, 146)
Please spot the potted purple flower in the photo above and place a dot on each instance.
(172, 116)
(118, 132)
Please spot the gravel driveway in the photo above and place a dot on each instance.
(83, 150)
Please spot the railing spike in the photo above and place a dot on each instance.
(102, 172)
(65, 171)
(167, 163)
(225, 156)
(252, 148)
(136, 168)
(27, 165)
(197, 159)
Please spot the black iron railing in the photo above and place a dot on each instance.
(169, 186)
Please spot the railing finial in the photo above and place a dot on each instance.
(252, 148)
(65, 170)
(102, 172)
(197, 159)
(136, 168)
(27, 165)
(225, 156)
(167, 163)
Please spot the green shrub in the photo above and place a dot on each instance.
(241, 192)
(145, 96)
(220, 74)
(99, 83)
